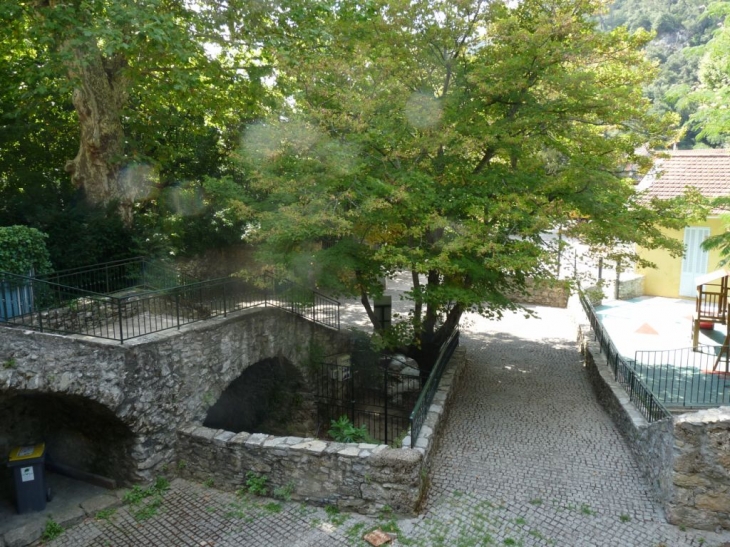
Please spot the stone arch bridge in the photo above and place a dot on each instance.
(121, 405)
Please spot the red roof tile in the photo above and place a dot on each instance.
(706, 170)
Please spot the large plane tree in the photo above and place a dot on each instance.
(133, 71)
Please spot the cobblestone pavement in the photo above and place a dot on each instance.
(528, 458)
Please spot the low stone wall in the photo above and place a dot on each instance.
(543, 293)
(360, 477)
(686, 457)
(631, 287)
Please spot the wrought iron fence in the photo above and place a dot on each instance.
(623, 370)
(369, 394)
(420, 410)
(121, 275)
(685, 377)
(144, 298)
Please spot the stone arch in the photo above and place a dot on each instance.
(80, 433)
(271, 396)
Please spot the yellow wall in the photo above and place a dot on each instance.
(664, 279)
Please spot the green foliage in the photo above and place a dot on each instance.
(343, 430)
(256, 484)
(284, 492)
(10, 363)
(82, 236)
(106, 514)
(710, 99)
(273, 507)
(165, 140)
(417, 145)
(315, 356)
(334, 516)
(52, 530)
(136, 494)
(154, 495)
(683, 33)
(23, 250)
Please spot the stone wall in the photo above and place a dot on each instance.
(360, 477)
(543, 293)
(631, 287)
(156, 384)
(701, 471)
(686, 457)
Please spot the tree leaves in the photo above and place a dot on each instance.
(445, 138)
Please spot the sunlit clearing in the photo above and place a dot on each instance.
(423, 111)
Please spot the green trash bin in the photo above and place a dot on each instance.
(31, 492)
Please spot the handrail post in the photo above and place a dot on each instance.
(177, 308)
(224, 299)
(4, 289)
(40, 315)
(385, 391)
(121, 321)
(352, 395)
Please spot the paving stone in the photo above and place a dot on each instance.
(99, 503)
(68, 516)
(23, 535)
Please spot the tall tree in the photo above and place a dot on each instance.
(126, 65)
(444, 138)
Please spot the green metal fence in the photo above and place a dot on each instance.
(420, 410)
(686, 377)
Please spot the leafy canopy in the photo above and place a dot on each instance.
(444, 138)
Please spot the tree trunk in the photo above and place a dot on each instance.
(99, 98)
(430, 338)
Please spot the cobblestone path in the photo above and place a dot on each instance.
(528, 458)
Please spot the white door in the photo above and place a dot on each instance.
(695, 260)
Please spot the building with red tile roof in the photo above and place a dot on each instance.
(709, 172)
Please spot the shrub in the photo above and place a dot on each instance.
(344, 431)
(23, 250)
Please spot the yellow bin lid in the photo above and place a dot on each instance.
(27, 452)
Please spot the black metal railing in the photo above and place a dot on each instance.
(302, 301)
(420, 410)
(685, 377)
(371, 395)
(144, 298)
(623, 370)
(121, 275)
